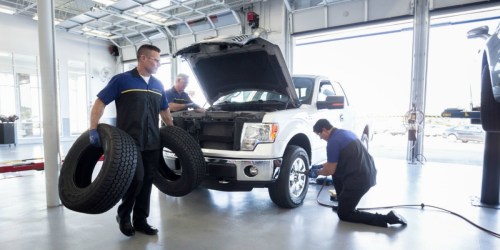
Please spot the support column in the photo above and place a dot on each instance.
(421, 26)
(490, 190)
(46, 44)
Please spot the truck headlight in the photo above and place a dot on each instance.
(255, 133)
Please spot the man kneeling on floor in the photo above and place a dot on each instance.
(353, 172)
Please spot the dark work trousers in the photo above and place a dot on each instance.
(347, 202)
(138, 195)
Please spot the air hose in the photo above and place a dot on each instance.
(421, 206)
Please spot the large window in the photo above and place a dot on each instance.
(77, 88)
(374, 66)
(26, 77)
(7, 89)
(372, 69)
(193, 89)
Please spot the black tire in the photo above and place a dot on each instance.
(78, 191)
(187, 171)
(365, 141)
(290, 188)
(490, 108)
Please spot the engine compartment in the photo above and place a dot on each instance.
(216, 129)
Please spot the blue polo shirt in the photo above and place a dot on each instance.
(138, 105)
(176, 97)
(355, 166)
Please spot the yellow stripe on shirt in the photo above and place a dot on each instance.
(140, 90)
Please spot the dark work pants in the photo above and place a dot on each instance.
(347, 202)
(137, 197)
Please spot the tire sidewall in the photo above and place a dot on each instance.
(280, 189)
(78, 191)
(191, 159)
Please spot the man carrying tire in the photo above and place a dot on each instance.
(353, 172)
(139, 98)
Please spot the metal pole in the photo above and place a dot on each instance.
(490, 189)
(46, 46)
(419, 73)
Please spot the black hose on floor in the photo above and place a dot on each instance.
(421, 206)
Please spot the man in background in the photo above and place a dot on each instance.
(178, 99)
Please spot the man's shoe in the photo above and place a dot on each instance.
(125, 226)
(144, 227)
(335, 208)
(394, 218)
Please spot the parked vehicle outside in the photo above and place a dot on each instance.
(434, 130)
(465, 133)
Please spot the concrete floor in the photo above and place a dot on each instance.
(207, 219)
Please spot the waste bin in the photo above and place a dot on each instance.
(7, 133)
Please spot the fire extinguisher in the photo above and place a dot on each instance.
(253, 20)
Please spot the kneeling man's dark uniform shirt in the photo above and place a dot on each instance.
(355, 166)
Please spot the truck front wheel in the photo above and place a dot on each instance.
(290, 188)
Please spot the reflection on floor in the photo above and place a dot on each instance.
(207, 219)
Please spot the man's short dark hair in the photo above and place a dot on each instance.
(321, 124)
(145, 48)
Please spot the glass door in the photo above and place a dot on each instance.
(26, 77)
(77, 88)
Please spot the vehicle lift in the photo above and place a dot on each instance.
(25, 165)
(474, 114)
(22, 165)
(490, 189)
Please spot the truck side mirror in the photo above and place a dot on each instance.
(479, 32)
(332, 102)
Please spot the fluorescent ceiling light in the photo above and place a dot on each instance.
(150, 16)
(93, 32)
(7, 10)
(160, 4)
(105, 2)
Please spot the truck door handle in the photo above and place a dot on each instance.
(341, 117)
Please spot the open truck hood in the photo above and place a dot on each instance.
(245, 62)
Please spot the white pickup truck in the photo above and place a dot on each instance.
(258, 132)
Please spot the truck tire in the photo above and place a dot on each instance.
(490, 108)
(365, 141)
(181, 177)
(290, 188)
(79, 190)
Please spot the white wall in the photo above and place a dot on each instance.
(20, 36)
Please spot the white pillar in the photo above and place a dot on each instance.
(46, 44)
(421, 26)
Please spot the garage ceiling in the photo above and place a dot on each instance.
(129, 22)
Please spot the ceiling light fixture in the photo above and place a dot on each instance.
(105, 2)
(150, 16)
(93, 32)
(7, 10)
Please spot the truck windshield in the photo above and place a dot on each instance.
(247, 96)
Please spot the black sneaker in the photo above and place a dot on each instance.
(394, 218)
(125, 226)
